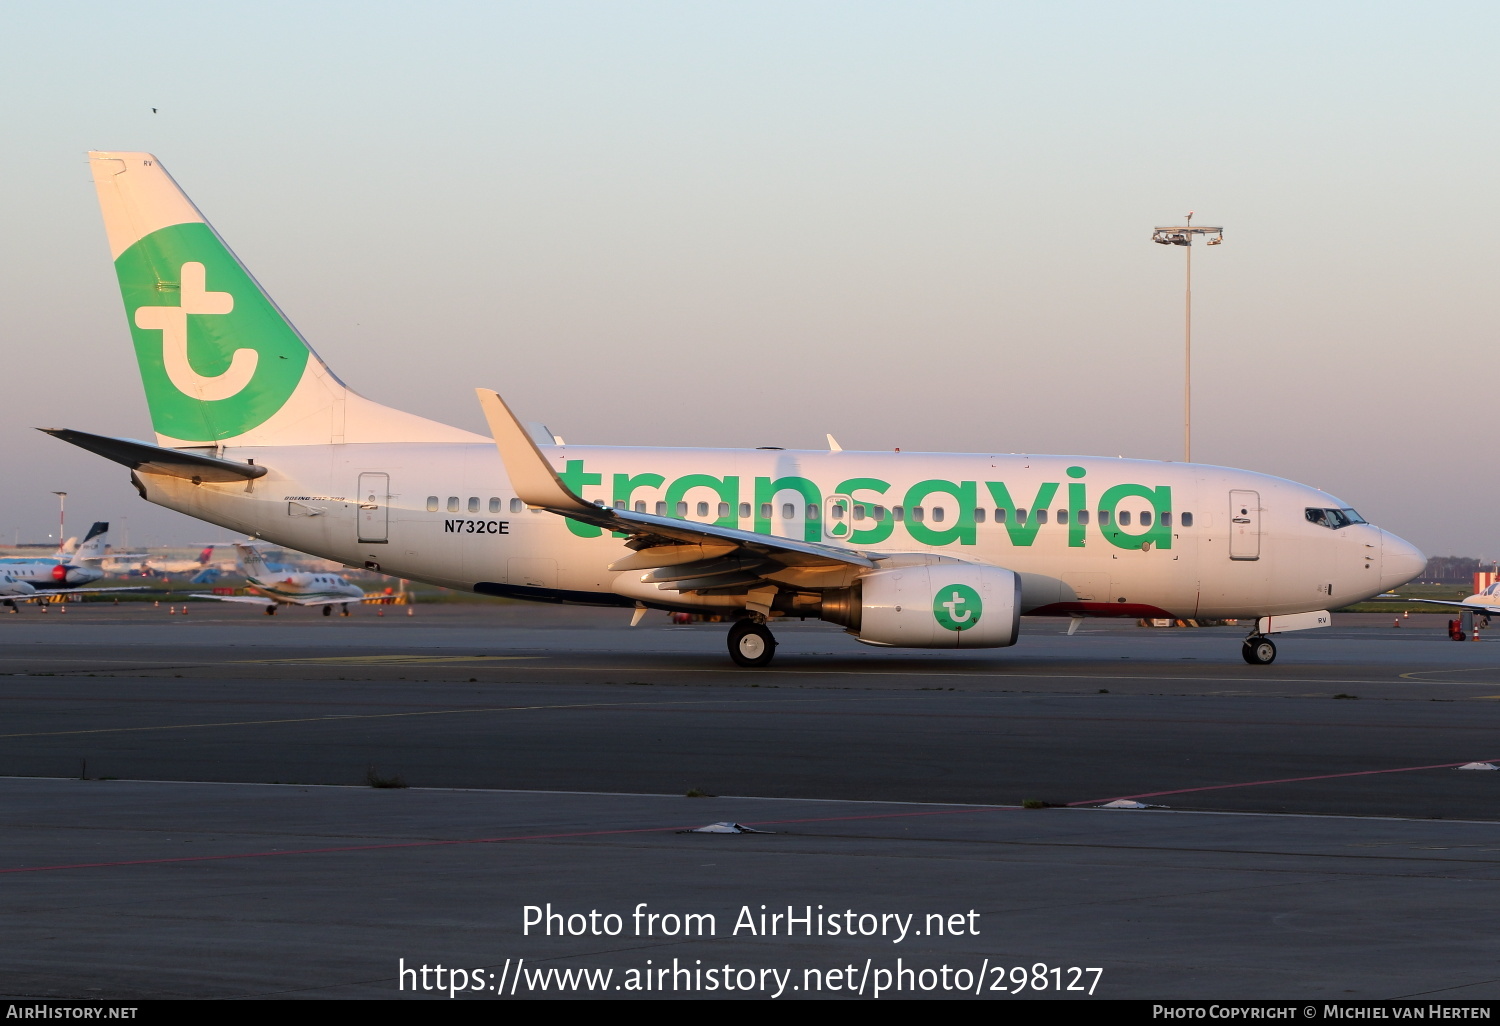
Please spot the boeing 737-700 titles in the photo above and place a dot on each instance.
(925, 550)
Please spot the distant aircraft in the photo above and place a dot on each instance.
(13, 588)
(255, 433)
(61, 575)
(1485, 603)
(183, 566)
(283, 586)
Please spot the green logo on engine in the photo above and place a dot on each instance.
(216, 356)
(957, 607)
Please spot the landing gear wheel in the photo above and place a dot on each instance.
(750, 644)
(1259, 651)
(271, 610)
(327, 610)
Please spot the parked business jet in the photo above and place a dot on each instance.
(924, 550)
(283, 586)
(53, 575)
(1486, 602)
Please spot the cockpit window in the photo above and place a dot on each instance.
(1333, 519)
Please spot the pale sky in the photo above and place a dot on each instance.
(918, 224)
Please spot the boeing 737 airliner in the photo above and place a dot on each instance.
(923, 550)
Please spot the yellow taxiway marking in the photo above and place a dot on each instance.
(425, 712)
(1413, 675)
(383, 660)
(338, 716)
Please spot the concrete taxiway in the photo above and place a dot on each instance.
(1318, 841)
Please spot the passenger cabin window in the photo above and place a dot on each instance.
(788, 511)
(473, 504)
(1083, 516)
(661, 509)
(859, 511)
(898, 512)
(1187, 520)
(744, 511)
(432, 503)
(837, 512)
(1123, 517)
(494, 504)
(999, 516)
(453, 504)
(1145, 518)
(879, 513)
(1020, 514)
(703, 509)
(938, 514)
(1104, 518)
(765, 511)
(640, 505)
(1041, 516)
(516, 505)
(812, 512)
(979, 516)
(918, 513)
(1166, 519)
(682, 509)
(1062, 516)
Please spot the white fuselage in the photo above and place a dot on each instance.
(50, 574)
(1232, 544)
(296, 586)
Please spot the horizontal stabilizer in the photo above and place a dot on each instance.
(155, 459)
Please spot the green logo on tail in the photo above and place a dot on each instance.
(957, 607)
(216, 357)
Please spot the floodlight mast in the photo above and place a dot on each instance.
(1182, 235)
(62, 518)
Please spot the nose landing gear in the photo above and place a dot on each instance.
(1259, 650)
(750, 644)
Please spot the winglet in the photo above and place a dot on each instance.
(533, 478)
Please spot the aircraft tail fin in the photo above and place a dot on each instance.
(251, 562)
(93, 544)
(221, 363)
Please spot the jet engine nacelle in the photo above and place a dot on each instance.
(938, 605)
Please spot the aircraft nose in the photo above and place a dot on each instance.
(1400, 561)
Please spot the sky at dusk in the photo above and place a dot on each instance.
(923, 225)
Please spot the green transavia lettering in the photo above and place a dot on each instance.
(932, 512)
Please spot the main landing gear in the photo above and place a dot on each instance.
(751, 644)
(1259, 650)
(271, 609)
(327, 610)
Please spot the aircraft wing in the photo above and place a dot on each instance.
(683, 555)
(254, 599)
(336, 600)
(93, 591)
(1468, 606)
